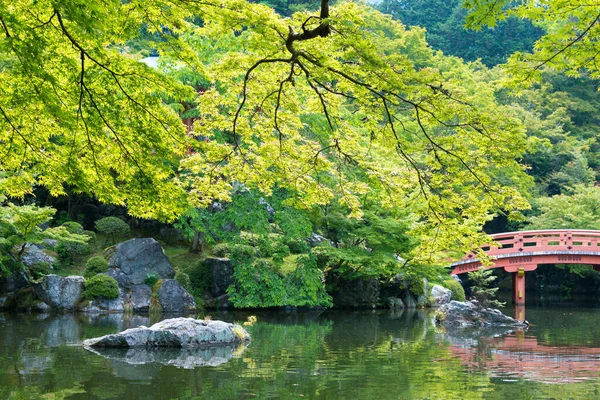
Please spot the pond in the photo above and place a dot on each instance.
(314, 355)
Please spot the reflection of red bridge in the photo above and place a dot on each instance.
(521, 356)
(518, 252)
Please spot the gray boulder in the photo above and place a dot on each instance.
(59, 292)
(34, 255)
(140, 298)
(440, 295)
(471, 314)
(138, 258)
(356, 293)
(176, 332)
(221, 271)
(409, 300)
(315, 239)
(101, 305)
(174, 298)
(13, 282)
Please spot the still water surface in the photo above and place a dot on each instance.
(313, 355)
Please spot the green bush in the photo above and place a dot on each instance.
(279, 251)
(298, 246)
(70, 252)
(184, 280)
(73, 227)
(95, 265)
(100, 286)
(458, 293)
(151, 280)
(90, 234)
(243, 251)
(222, 250)
(40, 269)
(112, 227)
(417, 286)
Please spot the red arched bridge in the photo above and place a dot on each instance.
(518, 252)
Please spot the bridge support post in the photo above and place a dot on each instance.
(519, 287)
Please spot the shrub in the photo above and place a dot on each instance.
(298, 246)
(279, 251)
(221, 250)
(151, 280)
(90, 234)
(242, 251)
(417, 286)
(100, 286)
(40, 269)
(73, 227)
(69, 252)
(184, 280)
(458, 293)
(112, 227)
(95, 265)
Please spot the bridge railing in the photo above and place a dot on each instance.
(543, 240)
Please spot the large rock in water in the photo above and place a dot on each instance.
(176, 332)
(135, 259)
(59, 292)
(471, 314)
(440, 295)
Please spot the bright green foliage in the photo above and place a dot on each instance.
(458, 292)
(481, 290)
(20, 225)
(445, 20)
(100, 286)
(417, 286)
(81, 112)
(580, 210)
(73, 227)
(112, 227)
(571, 43)
(95, 265)
(260, 283)
(366, 247)
(369, 111)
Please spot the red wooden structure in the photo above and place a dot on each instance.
(519, 252)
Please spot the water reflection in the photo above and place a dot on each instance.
(521, 356)
(182, 358)
(358, 355)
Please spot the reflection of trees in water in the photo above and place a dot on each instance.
(374, 355)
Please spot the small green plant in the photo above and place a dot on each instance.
(95, 265)
(481, 290)
(100, 286)
(151, 280)
(112, 227)
(458, 293)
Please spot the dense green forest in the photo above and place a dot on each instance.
(312, 144)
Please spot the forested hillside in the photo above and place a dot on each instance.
(318, 147)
